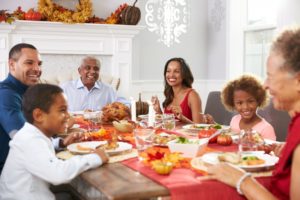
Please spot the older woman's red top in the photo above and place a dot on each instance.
(281, 179)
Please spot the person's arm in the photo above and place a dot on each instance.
(46, 166)
(156, 105)
(295, 174)
(231, 175)
(194, 102)
(11, 117)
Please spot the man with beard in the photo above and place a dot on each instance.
(88, 93)
(24, 70)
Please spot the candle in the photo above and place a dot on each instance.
(151, 115)
(133, 109)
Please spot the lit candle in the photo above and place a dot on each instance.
(133, 109)
(151, 115)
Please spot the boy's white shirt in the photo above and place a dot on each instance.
(31, 166)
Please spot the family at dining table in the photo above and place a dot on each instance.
(31, 113)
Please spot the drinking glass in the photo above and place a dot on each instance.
(249, 140)
(143, 140)
(168, 121)
(94, 119)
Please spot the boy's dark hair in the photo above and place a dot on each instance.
(15, 51)
(39, 96)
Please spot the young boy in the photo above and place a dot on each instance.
(31, 165)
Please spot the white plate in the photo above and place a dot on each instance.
(236, 138)
(197, 127)
(92, 144)
(82, 112)
(75, 126)
(193, 129)
(270, 161)
(123, 146)
(158, 117)
(76, 112)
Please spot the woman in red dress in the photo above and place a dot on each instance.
(283, 83)
(181, 98)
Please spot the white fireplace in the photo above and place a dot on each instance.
(63, 45)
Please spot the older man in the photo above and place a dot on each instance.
(24, 70)
(88, 92)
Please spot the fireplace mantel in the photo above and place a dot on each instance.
(55, 38)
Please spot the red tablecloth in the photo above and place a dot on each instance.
(184, 185)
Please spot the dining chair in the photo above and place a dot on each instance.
(215, 108)
(278, 119)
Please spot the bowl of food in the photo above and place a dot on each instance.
(123, 126)
(188, 147)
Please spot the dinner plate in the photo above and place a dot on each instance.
(212, 158)
(122, 147)
(158, 117)
(198, 127)
(75, 147)
(74, 113)
(75, 126)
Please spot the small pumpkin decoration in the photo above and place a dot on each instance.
(131, 15)
(142, 107)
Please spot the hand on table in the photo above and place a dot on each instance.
(277, 148)
(224, 172)
(101, 153)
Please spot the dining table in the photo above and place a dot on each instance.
(131, 179)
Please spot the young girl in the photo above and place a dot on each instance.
(181, 98)
(31, 164)
(244, 95)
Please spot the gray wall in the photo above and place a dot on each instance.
(216, 40)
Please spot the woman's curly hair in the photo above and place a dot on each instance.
(288, 45)
(247, 83)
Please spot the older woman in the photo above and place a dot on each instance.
(283, 83)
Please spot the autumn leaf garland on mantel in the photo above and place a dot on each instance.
(57, 13)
